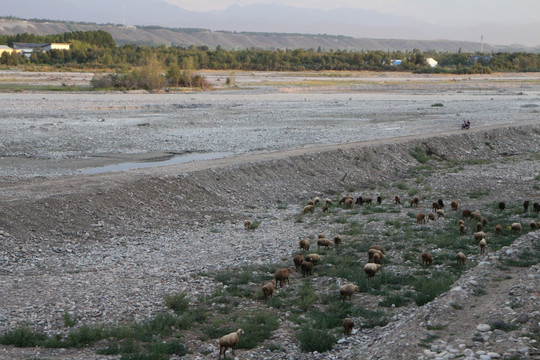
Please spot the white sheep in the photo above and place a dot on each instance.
(371, 269)
(482, 245)
(516, 228)
(314, 258)
(229, 341)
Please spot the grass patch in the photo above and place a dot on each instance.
(420, 155)
(315, 340)
(428, 288)
(177, 302)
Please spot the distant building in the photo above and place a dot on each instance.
(29, 48)
(6, 49)
(472, 59)
(395, 62)
(431, 62)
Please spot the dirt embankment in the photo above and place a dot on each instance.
(100, 206)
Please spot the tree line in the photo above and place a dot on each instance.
(97, 50)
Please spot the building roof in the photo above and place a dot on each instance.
(4, 47)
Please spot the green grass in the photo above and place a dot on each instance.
(315, 340)
(177, 302)
(420, 155)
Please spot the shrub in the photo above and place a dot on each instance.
(428, 288)
(177, 302)
(315, 340)
(420, 155)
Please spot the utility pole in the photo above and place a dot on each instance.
(481, 43)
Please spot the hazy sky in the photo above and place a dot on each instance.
(447, 11)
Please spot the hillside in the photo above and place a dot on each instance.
(154, 35)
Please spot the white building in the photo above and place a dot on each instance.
(431, 62)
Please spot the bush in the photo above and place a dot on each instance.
(177, 302)
(428, 288)
(315, 340)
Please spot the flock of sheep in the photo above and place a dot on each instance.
(305, 262)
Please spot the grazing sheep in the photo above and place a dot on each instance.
(298, 260)
(536, 207)
(377, 257)
(460, 257)
(337, 240)
(397, 200)
(533, 225)
(502, 205)
(466, 214)
(371, 255)
(348, 325)
(484, 221)
(304, 244)
(314, 258)
(345, 198)
(268, 290)
(427, 259)
(431, 216)
(329, 202)
(379, 200)
(454, 205)
(316, 200)
(414, 201)
(435, 206)
(347, 291)
(378, 247)
(478, 226)
(310, 202)
(325, 208)
(526, 205)
(420, 218)
(348, 203)
(371, 269)
(461, 222)
(229, 341)
(475, 215)
(461, 229)
(308, 208)
(482, 245)
(282, 276)
(323, 242)
(247, 224)
(440, 213)
(321, 236)
(516, 228)
(364, 200)
(479, 235)
(441, 203)
(498, 229)
(306, 267)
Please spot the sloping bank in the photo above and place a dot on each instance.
(104, 205)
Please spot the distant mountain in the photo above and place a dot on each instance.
(155, 35)
(273, 18)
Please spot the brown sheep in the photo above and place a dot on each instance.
(349, 203)
(431, 216)
(321, 236)
(466, 214)
(475, 215)
(516, 228)
(502, 205)
(379, 200)
(325, 208)
(427, 259)
(526, 205)
(347, 291)
(460, 257)
(308, 209)
(268, 290)
(314, 258)
(420, 218)
(536, 207)
(461, 222)
(304, 244)
(397, 200)
(498, 229)
(482, 245)
(229, 341)
(337, 240)
(323, 242)
(461, 229)
(454, 205)
(345, 198)
(316, 200)
(378, 247)
(440, 213)
(435, 206)
(478, 226)
(533, 225)
(371, 269)
(485, 221)
(247, 224)
(298, 259)
(310, 202)
(306, 267)
(377, 257)
(479, 236)
(372, 252)
(282, 276)
(414, 201)
(348, 325)
(328, 201)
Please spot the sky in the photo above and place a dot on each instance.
(435, 11)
